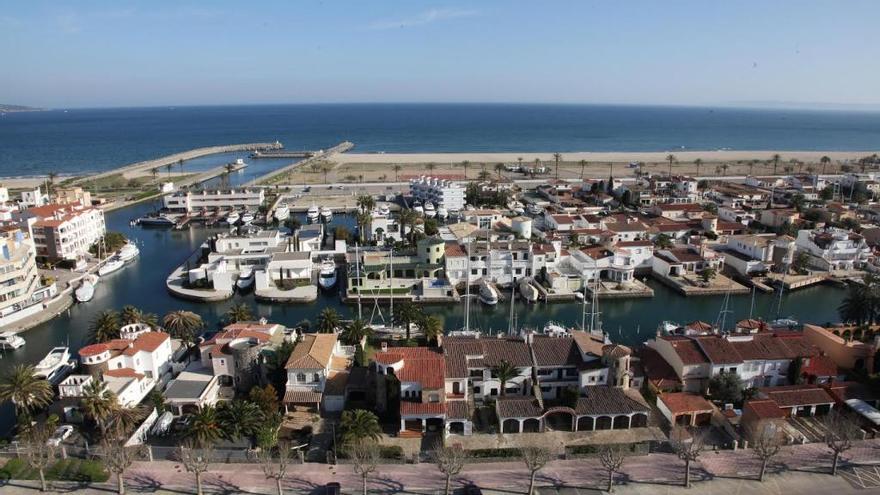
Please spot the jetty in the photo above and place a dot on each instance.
(177, 157)
(318, 155)
(281, 153)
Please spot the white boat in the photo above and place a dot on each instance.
(10, 340)
(282, 212)
(156, 221)
(384, 210)
(430, 212)
(442, 213)
(534, 209)
(326, 213)
(518, 208)
(232, 218)
(553, 329)
(417, 207)
(245, 279)
(313, 213)
(50, 365)
(86, 290)
(111, 266)
(579, 296)
(247, 218)
(488, 295)
(327, 275)
(528, 291)
(669, 328)
(128, 252)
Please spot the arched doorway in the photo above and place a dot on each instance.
(603, 423)
(621, 422)
(531, 425)
(510, 426)
(639, 420)
(585, 423)
(558, 421)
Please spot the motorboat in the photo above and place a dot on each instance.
(245, 279)
(232, 218)
(442, 214)
(430, 212)
(312, 214)
(10, 341)
(327, 274)
(128, 252)
(417, 207)
(247, 218)
(579, 296)
(156, 221)
(86, 290)
(326, 213)
(384, 210)
(50, 365)
(111, 266)
(669, 328)
(518, 208)
(553, 329)
(282, 212)
(488, 294)
(528, 291)
(534, 209)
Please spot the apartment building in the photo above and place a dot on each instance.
(233, 199)
(21, 289)
(443, 193)
(64, 231)
(831, 248)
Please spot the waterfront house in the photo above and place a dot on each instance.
(22, 290)
(830, 249)
(315, 360)
(309, 238)
(420, 374)
(235, 354)
(383, 274)
(64, 231)
(470, 362)
(688, 260)
(755, 254)
(193, 390)
(139, 349)
(72, 195)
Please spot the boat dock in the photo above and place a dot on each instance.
(177, 157)
(282, 154)
(319, 155)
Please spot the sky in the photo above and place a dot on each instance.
(675, 52)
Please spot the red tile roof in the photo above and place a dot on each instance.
(797, 395)
(93, 350)
(684, 403)
(454, 250)
(147, 342)
(763, 409)
(409, 408)
(123, 373)
(421, 365)
(688, 350)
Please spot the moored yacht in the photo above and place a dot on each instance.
(488, 294)
(384, 210)
(86, 290)
(111, 266)
(247, 217)
(245, 279)
(232, 218)
(282, 212)
(417, 207)
(10, 340)
(51, 366)
(313, 213)
(326, 213)
(156, 221)
(327, 274)
(128, 252)
(528, 291)
(553, 329)
(442, 213)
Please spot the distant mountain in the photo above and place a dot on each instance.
(18, 108)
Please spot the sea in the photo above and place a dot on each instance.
(74, 141)
(90, 140)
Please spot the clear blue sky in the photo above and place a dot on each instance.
(114, 53)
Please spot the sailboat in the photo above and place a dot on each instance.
(466, 330)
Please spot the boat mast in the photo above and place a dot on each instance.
(511, 328)
(595, 321)
(391, 294)
(722, 315)
(752, 306)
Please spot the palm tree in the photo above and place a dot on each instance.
(583, 166)
(504, 372)
(775, 159)
(98, 404)
(239, 312)
(355, 332)
(328, 320)
(130, 315)
(362, 219)
(483, 175)
(326, 169)
(698, 163)
(204, 428)
(183, 325)
(105, 326)
(465, 165)
(537, 165)
(724, 167)
(557, 157)
(407, 217)
(430, 166)
(519, 160)
(168, 168)
(366, 202)
(671, 159)
(825, 160)
(239, 419)
(407, 313)
(499, 167)
(432, 328)
(26, 392)
(397, 169)
(180, 164)
(154, 172)
(359, 424)
(51, 185)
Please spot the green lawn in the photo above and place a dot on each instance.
(63, 470)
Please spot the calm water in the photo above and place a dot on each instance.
(81, 140)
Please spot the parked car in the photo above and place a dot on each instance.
(332, 488)
(61, 433)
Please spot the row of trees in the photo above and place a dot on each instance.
(406, 315)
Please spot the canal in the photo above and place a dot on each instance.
(142, 284)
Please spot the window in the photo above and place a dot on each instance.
(493, 392)
(592, 379)
(476, 373)
(433, 398)
(301, 377)
(571, 372)
(476, 390)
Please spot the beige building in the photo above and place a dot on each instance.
(73, 195)
(64, 231)
(21, 288)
